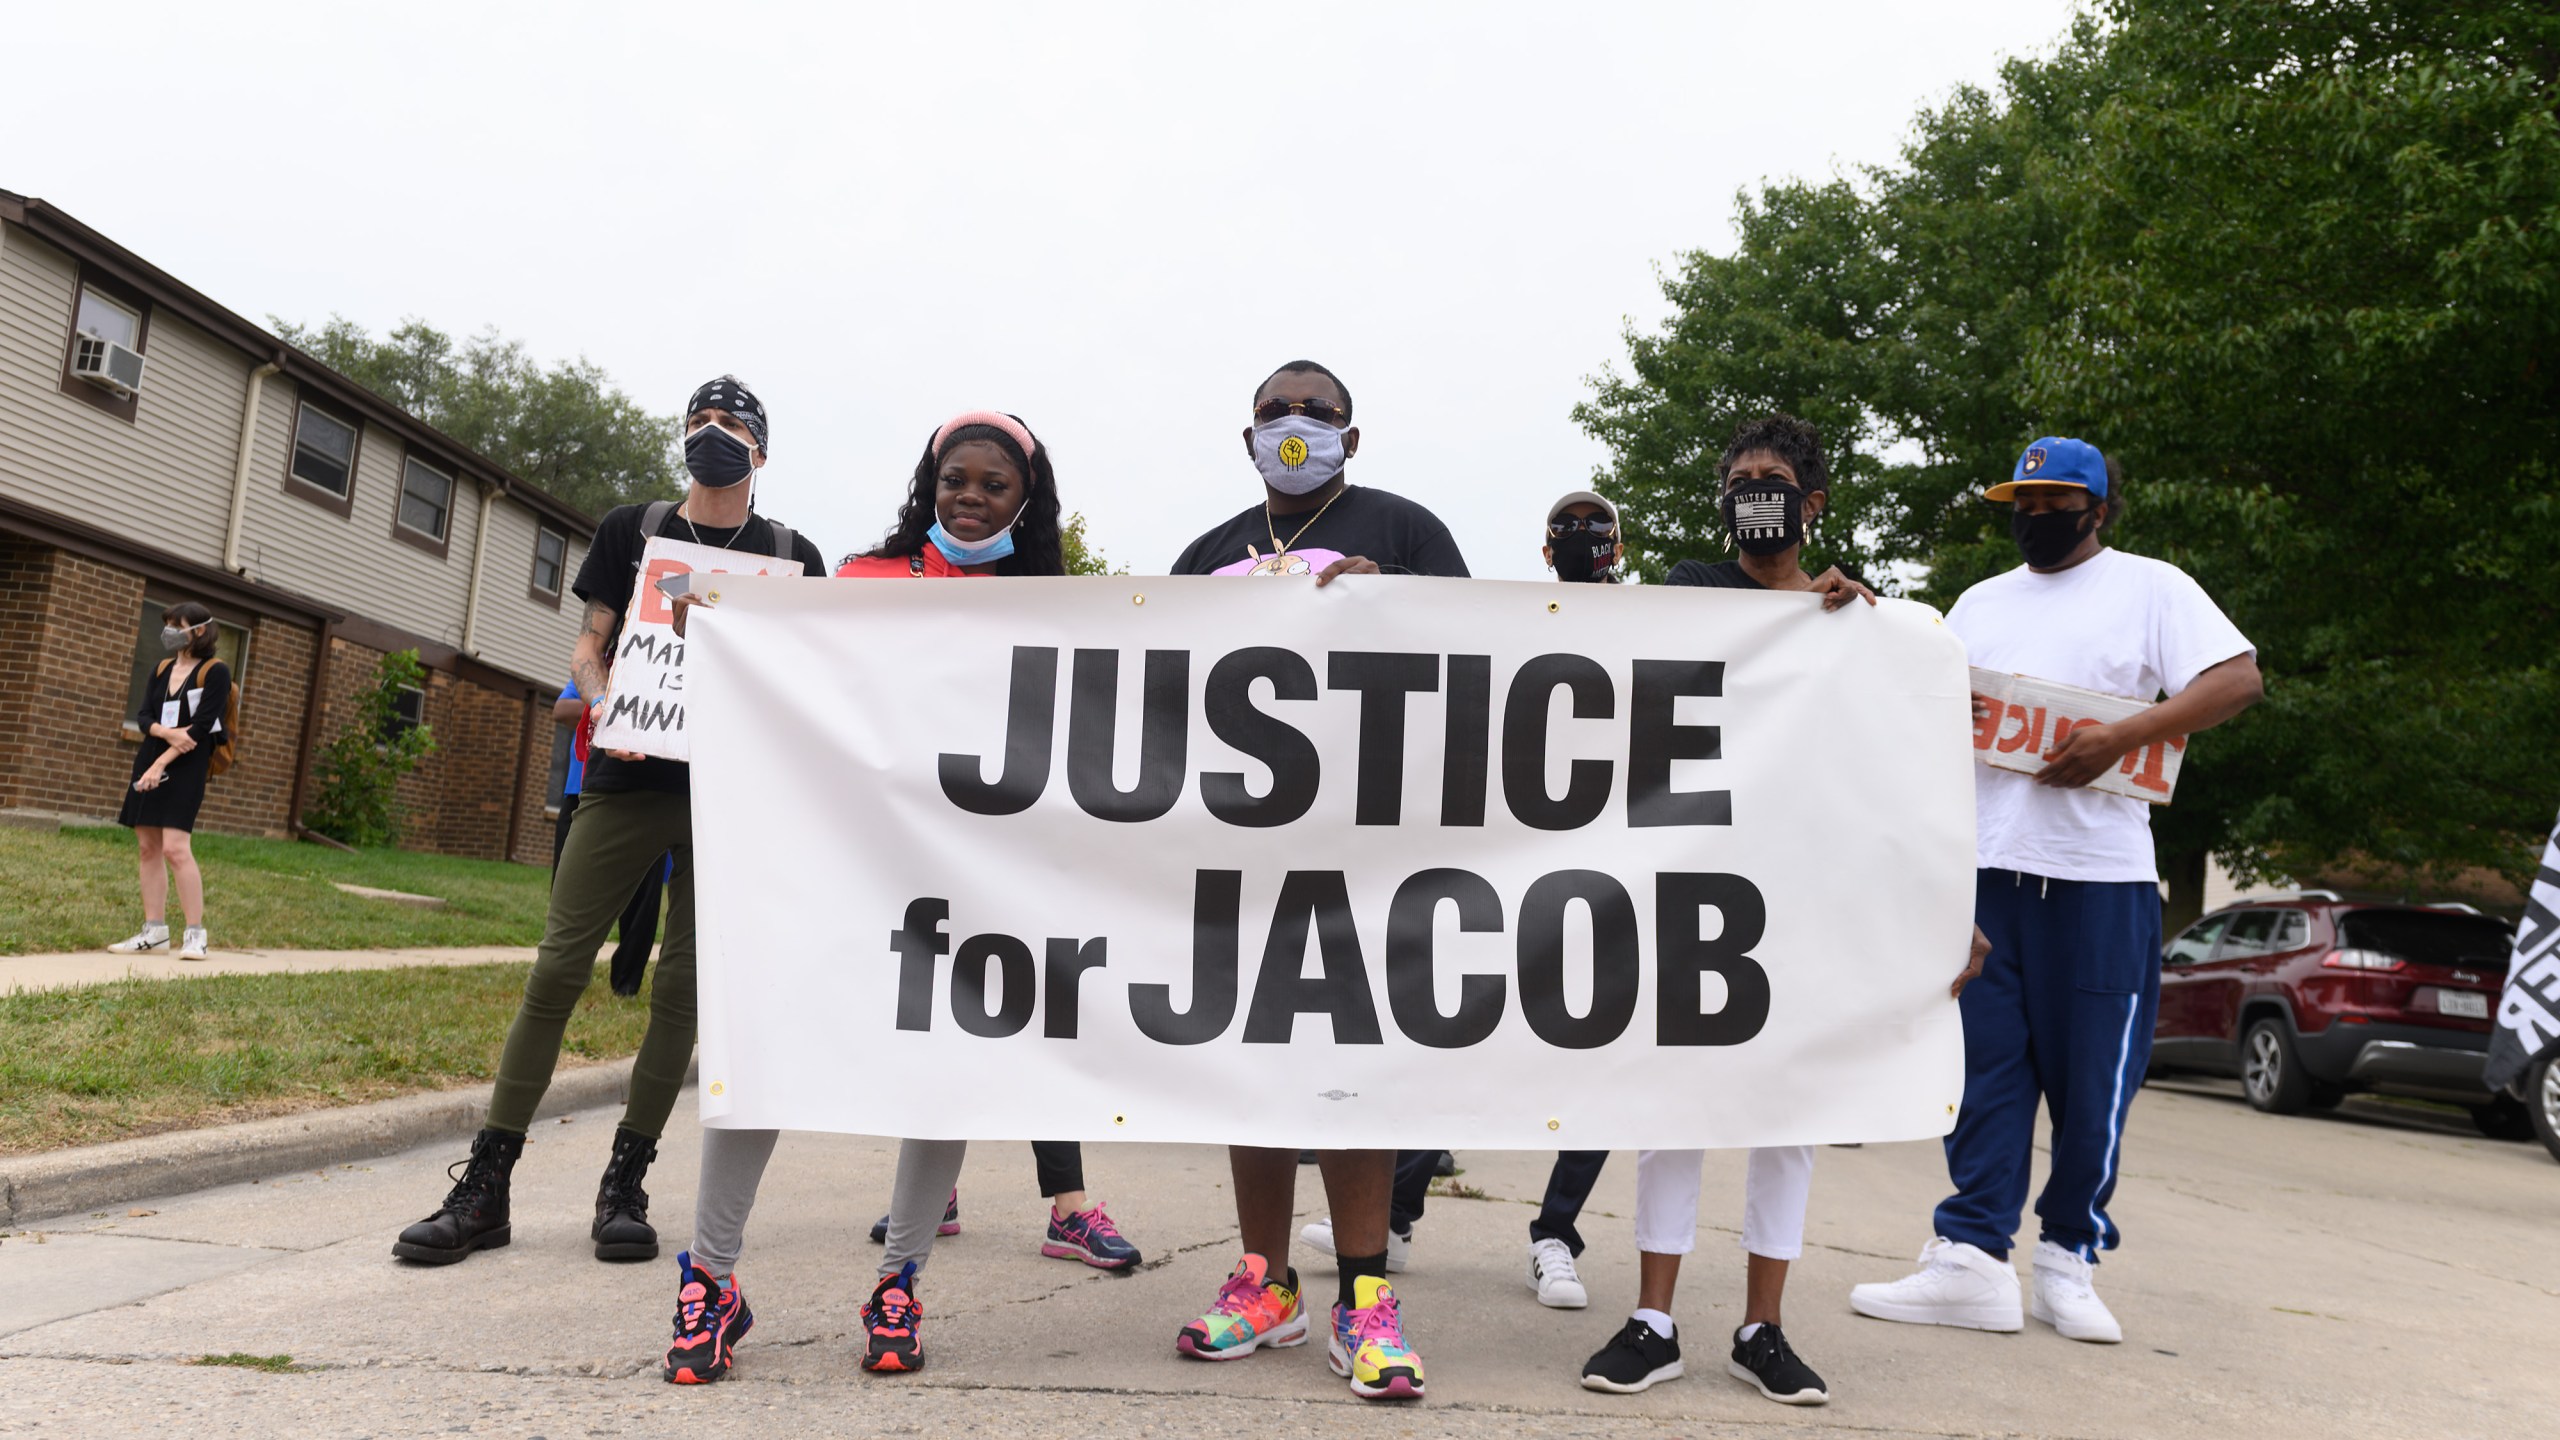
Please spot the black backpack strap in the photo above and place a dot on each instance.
(653, 517)
(785, 544)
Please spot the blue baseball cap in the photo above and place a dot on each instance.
(2056, 460)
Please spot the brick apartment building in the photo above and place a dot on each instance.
(155, 447)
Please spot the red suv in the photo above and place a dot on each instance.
(2308, 999)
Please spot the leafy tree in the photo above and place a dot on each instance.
(565, 428)
(2295, 262)
(360, 768)
(1082, 555)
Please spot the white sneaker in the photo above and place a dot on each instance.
(2065, 1300)
(193, 947)
(1319, 1238)
(1956, 1285)
(151, 937)
(1552, 1275)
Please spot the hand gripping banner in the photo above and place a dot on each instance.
(1398, 862)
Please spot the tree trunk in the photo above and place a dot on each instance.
(2184, 870)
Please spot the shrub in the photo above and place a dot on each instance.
(360, 768)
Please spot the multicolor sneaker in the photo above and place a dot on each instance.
(894, 1319)
(1089, 1236)
(950, 1222)
(709, 1321)
(1368, 1346)
(1251, 1311)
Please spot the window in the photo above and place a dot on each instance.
(103, 308)
(550, 563)
(2194, 944)
(324, 458)
(2293, 930)
(2430, 937)
(563, 737)
(408, 712)
(425, 515)
(109, 319)
(230, 646)
(2253, 933)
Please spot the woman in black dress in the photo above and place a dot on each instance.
(182, 721)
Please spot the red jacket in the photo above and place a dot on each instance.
(927, 565)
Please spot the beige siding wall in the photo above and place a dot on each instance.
(516, 633)
(164, 478)
(350, 560)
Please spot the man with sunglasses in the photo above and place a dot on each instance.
(1582, 540)
(1311, 521)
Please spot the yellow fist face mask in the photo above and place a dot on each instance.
(1297, 455)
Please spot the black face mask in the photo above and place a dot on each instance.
(1765, 517)
(1579, 556)
(2047, 539)
(717, 458)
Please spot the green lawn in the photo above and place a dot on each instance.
(76, 890)
(104, 1062)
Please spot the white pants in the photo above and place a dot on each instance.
(1773, 1200)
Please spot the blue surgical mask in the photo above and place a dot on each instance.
(959, 552)
(717, 458)
(1297, 455)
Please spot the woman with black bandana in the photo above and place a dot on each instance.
(632, 812)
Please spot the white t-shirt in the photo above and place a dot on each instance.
(2124, 624)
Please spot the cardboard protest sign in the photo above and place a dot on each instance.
(2029, 717)
(1394, 863)
(645, 697)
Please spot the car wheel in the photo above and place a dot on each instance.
(2271, 1070)
(2504, 1118)
(2542, 1102)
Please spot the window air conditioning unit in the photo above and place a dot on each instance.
(101, 361)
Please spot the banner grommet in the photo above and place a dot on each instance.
(1138, 599)
(1555, 1124)
(1553, 608)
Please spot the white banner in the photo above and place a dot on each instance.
(645, 706)
(1399, 862)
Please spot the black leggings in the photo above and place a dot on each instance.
(1061, 1165)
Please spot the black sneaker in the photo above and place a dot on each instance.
(1634, 1362)
(1767, 1362)
(950, 1222)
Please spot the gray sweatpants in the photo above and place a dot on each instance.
(733, 1164)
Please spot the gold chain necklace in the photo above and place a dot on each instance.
(1273, 525)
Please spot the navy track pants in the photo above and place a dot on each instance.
(2063, 1011)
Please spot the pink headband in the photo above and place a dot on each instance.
(993, 420)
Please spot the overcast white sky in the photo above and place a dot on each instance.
(1113, 220)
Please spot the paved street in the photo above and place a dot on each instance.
(2378, 1272)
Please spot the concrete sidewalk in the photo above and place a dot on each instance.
(2373, 1272)
(97, 967)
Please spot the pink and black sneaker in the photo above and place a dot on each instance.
(893, 1324)
(950, 1222)
(1089, 1236)
(710, 1319)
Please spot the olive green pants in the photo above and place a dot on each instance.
(613, 843)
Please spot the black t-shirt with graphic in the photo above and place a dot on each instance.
(612, 571)
(1725, 575)
(1401, 536)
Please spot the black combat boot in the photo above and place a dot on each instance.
(622, 1230)
(474, 1213)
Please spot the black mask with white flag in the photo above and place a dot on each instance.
(2529, 1012)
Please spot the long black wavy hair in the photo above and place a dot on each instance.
(1037, 549)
